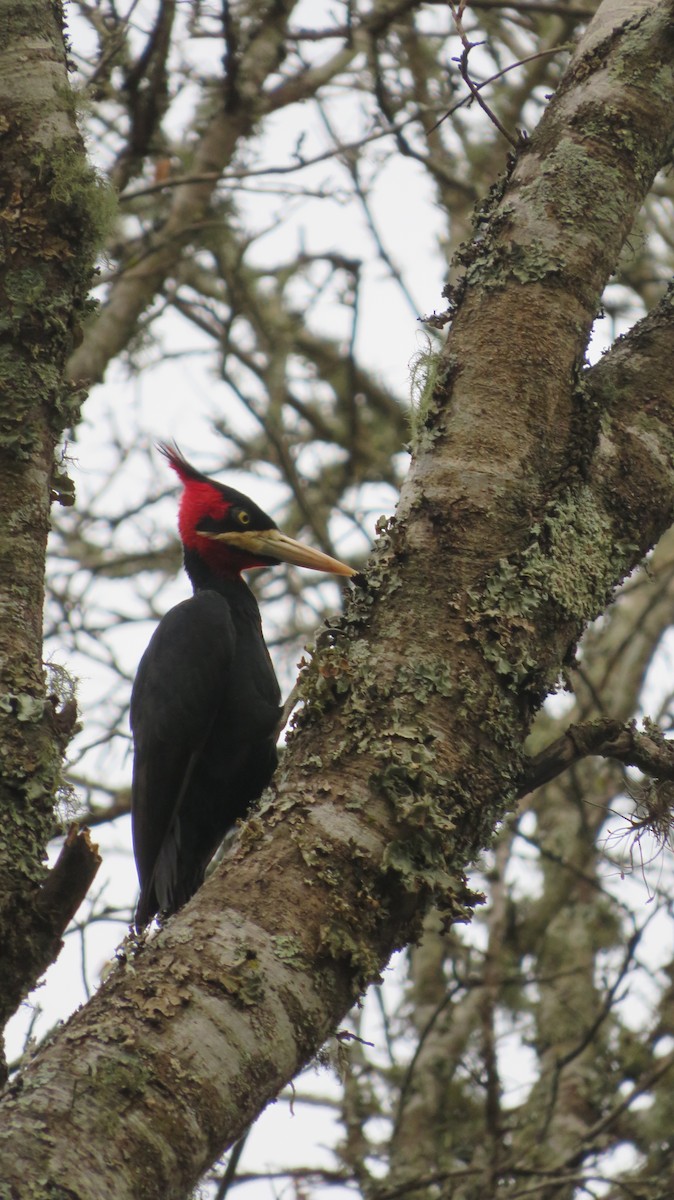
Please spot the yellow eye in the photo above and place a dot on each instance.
(243, 517)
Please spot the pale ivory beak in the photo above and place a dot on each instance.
(271, 543)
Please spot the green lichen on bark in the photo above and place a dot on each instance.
(386, 719)
(290, 951)
(47, 243)
(52, 212)
(121, 1077)
(541, 587)
(391, 702)
(576, 526)
(428, 370)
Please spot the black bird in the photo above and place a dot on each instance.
(205, 702)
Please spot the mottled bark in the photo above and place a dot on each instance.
(505, 545)
(49, 213)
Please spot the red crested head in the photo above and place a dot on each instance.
(225, 533)
(207, 509)
(201, 497)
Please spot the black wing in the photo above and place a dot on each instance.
(182, 684)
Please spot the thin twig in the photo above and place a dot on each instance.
(499, 74)
(232, 1164)
(462, 62)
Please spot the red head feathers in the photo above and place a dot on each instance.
(230, 533)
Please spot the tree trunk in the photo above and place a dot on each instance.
(53, 210)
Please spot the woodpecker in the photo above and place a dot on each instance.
(206, 703)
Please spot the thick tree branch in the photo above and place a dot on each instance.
(609, 739)
(633, 388)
